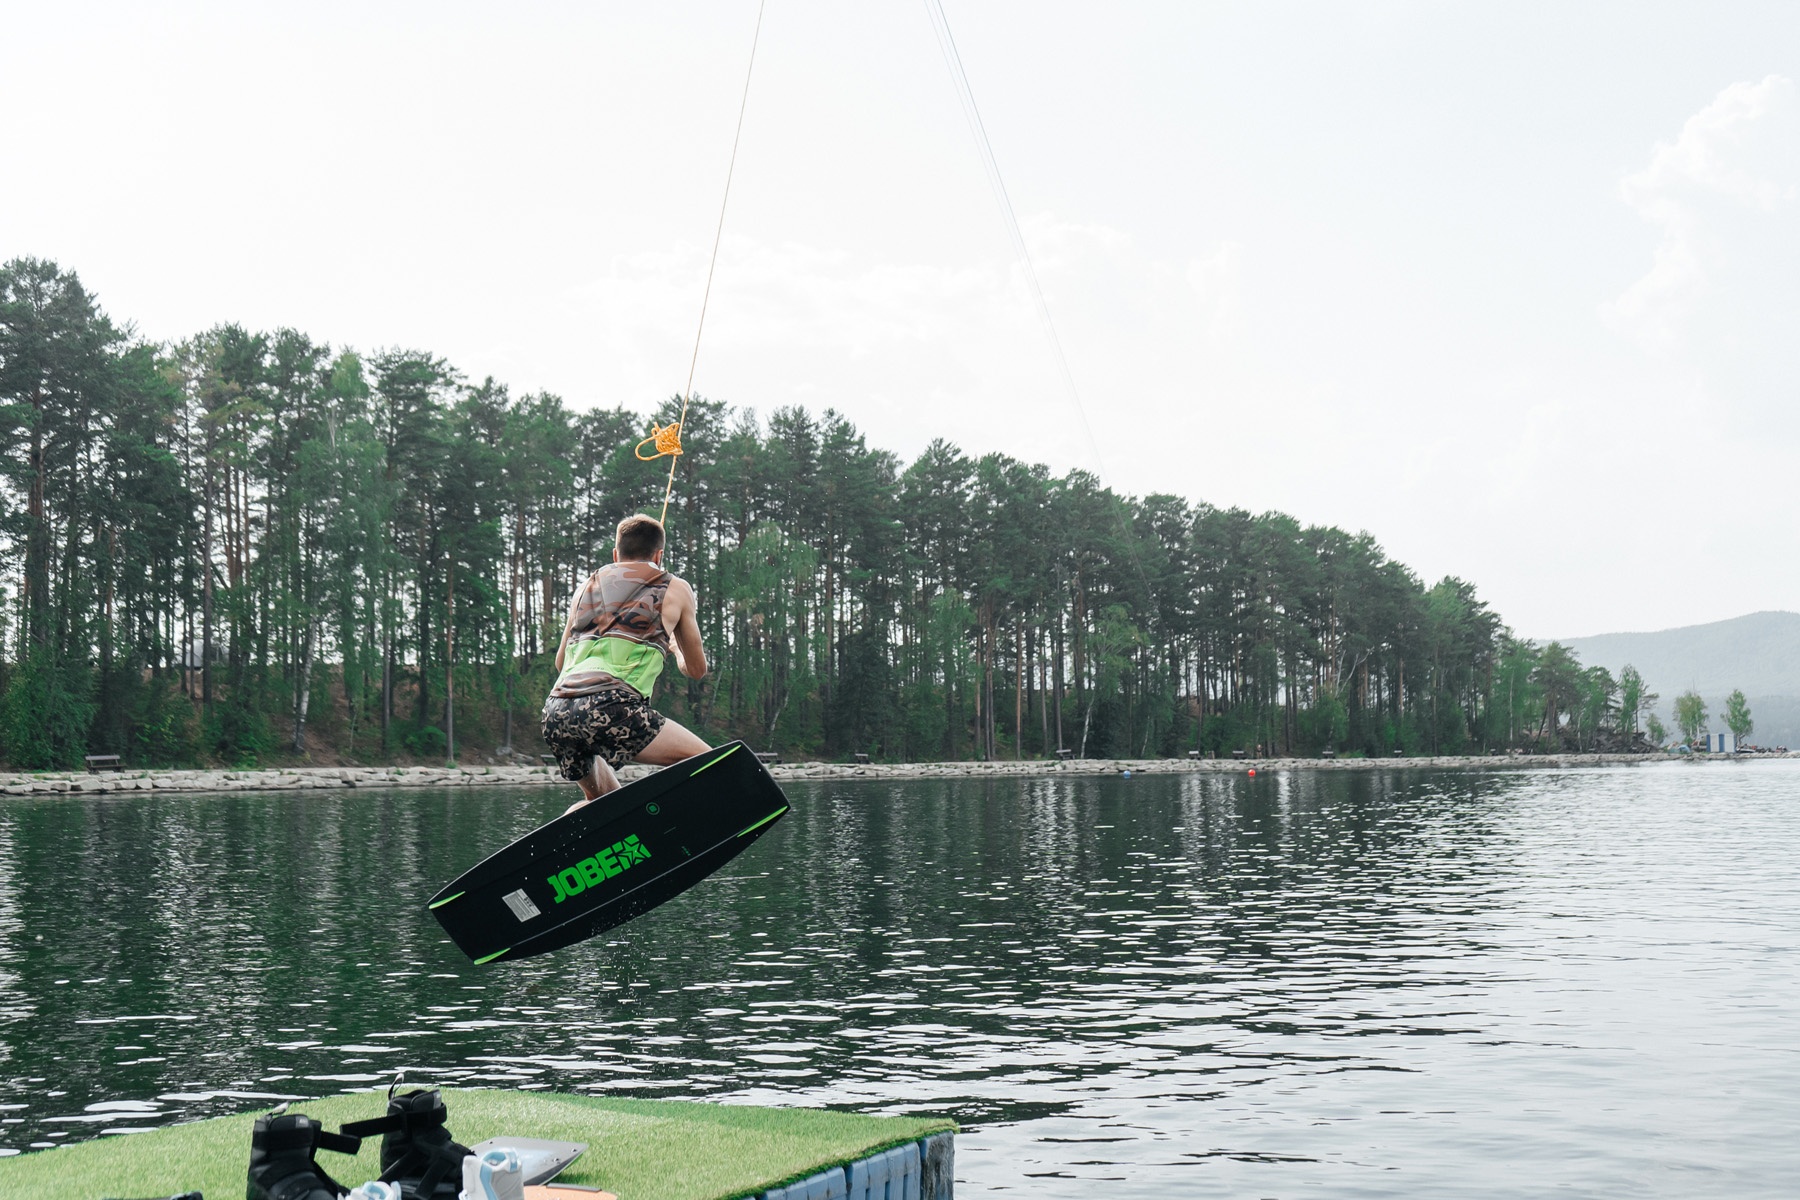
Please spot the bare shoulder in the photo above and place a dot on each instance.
(679, 588)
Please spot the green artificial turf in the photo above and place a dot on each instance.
(639, 1149)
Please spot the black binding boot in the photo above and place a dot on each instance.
(281, 1159)
(417, 1152)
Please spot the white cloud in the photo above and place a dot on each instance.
(1333, 299)
(913, 350)
(1710, 194)
(1216, 280)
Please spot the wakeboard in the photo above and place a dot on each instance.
(611, 860)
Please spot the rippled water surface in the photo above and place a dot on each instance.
(1407, 983)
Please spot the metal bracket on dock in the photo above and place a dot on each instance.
(921, 1170)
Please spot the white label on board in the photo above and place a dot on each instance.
(521, 905)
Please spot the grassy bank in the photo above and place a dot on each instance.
(637, 1149)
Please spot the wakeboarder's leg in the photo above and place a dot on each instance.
(671, 744)
(580, 730)
(595, 784)
(599, 781)
(592, 733)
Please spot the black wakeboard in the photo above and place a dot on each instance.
(611, 860)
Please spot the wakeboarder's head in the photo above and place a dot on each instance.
(640, 539)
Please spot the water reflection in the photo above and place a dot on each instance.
(1355, 984)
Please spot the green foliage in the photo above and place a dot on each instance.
(426, 742)
(236, 732)
(1634, 698)
(1598, 705)
(46, 711)
(1114, 638)
(1690, 715)
(1655, 730)
(1737, 715)
(865, 713)
(1558, 678)
(308, 536)
(164, 732)
(1325, 724)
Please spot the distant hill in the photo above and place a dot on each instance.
(1759, 653)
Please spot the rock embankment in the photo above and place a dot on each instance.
(289, 779)
(1188, 766)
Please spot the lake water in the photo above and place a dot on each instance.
(1404, 983)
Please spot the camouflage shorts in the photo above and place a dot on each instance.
(616, 725)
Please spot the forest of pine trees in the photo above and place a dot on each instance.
(253, 547)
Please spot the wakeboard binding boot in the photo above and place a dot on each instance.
(496, 1175)
(417, 1151)
(282, 1166)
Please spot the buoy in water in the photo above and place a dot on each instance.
(1252, 771)
(1128, 774)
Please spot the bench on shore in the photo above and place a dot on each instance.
(1194, 754)
(861, 760)
(1064, 755)
(102, 762)
(768, 758)
(1328, 752)
(1240, 755)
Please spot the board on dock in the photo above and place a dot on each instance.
(613, 859)
(540, 1159)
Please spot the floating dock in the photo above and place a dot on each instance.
(637, 1150)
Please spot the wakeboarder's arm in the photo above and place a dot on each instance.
(568, 626)
(684, 632)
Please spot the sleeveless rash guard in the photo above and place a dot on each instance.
(617, 638)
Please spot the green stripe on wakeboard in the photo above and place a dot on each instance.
(444, 901)
(764, 821)
(490, 958)
(725, 755)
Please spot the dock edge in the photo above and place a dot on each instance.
(921, 1170)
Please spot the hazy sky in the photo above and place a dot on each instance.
(1514, 287)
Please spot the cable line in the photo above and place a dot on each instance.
(668, 440)
(940, 25)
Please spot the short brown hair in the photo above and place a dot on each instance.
(639, 537)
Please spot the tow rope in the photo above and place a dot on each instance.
(668, 440)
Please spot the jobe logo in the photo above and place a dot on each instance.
(604, 865)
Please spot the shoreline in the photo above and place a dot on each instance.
(286, 779)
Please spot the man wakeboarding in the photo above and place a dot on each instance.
(622, 622)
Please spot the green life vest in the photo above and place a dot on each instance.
(628, 662)
(616, 634)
